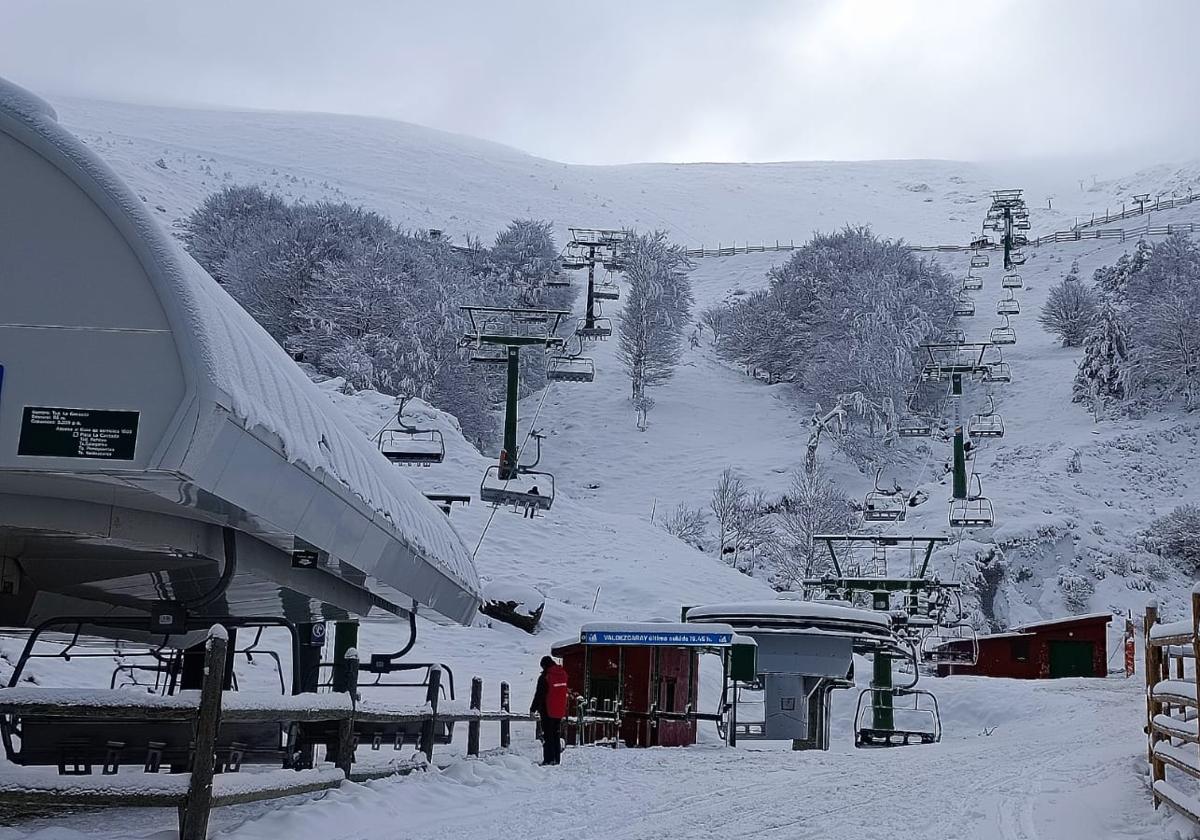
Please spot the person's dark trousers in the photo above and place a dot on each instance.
(551, 740)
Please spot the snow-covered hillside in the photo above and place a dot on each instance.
(1058, 760)
(423, 178)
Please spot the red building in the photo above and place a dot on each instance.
(638, 681)
(1076, 646)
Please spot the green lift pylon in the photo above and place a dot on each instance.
(510, 482)
(891, 594)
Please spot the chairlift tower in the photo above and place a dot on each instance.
(511, 329)
(1007, 214)
(602, 245)
(916, 592)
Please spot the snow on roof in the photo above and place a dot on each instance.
(1070, 619)
(241, 370)
(785, 609)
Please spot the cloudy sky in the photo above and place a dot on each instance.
(675, 80)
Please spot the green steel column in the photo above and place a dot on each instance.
(882, 716)
(508, 455)
(1007, 238)
(590, 318)
(960, 465)
(345, 636)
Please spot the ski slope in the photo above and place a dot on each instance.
(1058, 760)
(422, 178)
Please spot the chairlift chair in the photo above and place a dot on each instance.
(914, 426)
(883, 506)
(972, 283)
(953, 335)
(1016, 257)
(489, 355)
(558, 280)
(971, 513)
(1008, 306)
(1004, 335)
(986, 424)
(600, 329)
(403, 443)
(980, 261)
(950, 644)
(999, 372)
(606, 291)
(418, 447)
(964, 307)
(564, 368)
(524, 487)
(1012, 280)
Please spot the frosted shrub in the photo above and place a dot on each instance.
(1070, 312)
(688, 524)
(1076, 590)
(1176, 537)
(814, 505)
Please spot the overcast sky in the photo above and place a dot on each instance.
(675, 80)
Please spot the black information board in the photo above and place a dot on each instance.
(78, 433)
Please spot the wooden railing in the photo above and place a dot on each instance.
(195, 793)
(1141, 209)
(1173, 709)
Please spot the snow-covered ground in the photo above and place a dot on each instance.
(1058, 760)
(422, 178)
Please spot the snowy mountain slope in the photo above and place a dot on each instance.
(423, 178)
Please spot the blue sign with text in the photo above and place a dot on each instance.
(643, 637)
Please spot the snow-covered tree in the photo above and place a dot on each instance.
(1176, 536)
(728, 498)
(844, 317)
(526, 256)
(688, 524)
(656, 311)
(814, 505)
(1070, 312)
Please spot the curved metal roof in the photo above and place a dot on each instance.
(232, 432)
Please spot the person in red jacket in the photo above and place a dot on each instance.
(550, 704)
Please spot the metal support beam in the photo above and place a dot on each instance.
(508, 455)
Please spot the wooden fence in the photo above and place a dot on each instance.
(1078, 233)
(1130, 212)
(1173, 709)
(195, 793)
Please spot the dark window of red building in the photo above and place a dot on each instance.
(668, 695)
(1020, 650)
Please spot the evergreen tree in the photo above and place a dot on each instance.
(1103, 371)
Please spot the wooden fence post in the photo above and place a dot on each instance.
(473, 724)
(432, 697)
(505, 725)
(194, 813)
(1153, 670)
(344, 751)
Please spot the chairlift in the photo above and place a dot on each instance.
(1012, 280)
(490, 355)
(564, 368)
(1021, 224)
(406, 444)
(914, 712)
(999, 372)
(524, 487)
(1016, 257)
(1004, 335)
(914, 426)
(986, 424)
(950, 644)
(953, 335)
(606, 291)
(964, 307)
(980, 261)
(558, 280)
(972, 283)
(1008, 306)
(600, 329)
(971, 513)
(884, 505)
